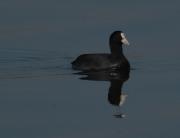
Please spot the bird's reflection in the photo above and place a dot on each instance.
(116, 79)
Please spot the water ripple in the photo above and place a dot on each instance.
(22, 63)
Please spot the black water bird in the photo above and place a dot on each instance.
(103, 61)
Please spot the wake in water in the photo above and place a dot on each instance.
(28, 63)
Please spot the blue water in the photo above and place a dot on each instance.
(41, 97)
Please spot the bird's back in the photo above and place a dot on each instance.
(96, 62)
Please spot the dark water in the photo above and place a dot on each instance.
(41, 97)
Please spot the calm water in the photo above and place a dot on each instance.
(41, 97)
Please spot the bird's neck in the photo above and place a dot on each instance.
(116, 49)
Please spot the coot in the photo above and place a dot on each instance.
(103, 61)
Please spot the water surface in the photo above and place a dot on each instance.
(40, 96)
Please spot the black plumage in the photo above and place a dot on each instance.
(102, 61)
